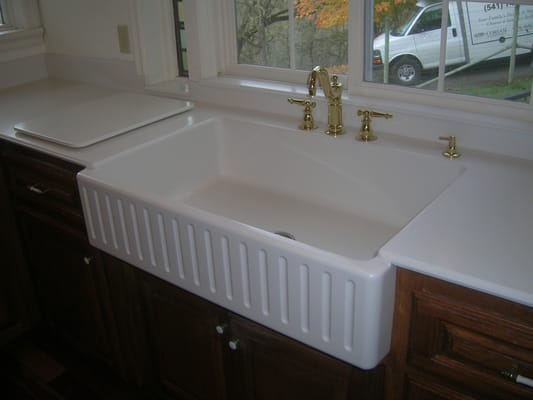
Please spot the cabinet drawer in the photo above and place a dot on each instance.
(424, 387)
(469, 338)
(42, 183)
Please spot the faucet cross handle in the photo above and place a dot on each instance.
(308, 122)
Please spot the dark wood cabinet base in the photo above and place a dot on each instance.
(452, 342)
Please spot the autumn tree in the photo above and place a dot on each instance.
(257, 30)
(325, 14)
(320, 35)
(327, 42)
(390, 12)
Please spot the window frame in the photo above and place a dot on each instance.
(4, 8)
(356, 86)
(22, 35)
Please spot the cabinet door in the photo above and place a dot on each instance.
(67, 276)
(186, 349)
(267, 365)
(15, 315)
(128, 319)
(16, 311)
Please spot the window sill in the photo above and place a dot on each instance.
(179, 88)
(241, 87)
(478, 131)
(18, 43)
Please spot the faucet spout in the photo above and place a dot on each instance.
(333, 92)
(321, 75)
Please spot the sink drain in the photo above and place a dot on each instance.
(285, 234)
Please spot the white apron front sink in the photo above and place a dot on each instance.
(200, 208)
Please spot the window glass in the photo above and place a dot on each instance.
(262, 32)
(488, 47)
(498, 52)
(295, 34)
(181, 43)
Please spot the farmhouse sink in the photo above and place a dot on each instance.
(279, 225)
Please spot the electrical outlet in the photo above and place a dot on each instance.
(123, 39)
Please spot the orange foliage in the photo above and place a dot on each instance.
(338, 69)
(330, 13)
(390, 8)
(324, 13)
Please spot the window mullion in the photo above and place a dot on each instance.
(292, 39)
(443, 44)
(359, 11)
(227, 42)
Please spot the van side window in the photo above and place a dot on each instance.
(430, 20)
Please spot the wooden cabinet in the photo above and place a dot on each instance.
(267, 365)
(66, 271)
(68, 280)
(127, 324)
(186, 350)
(154, 334)
(451, 342)
(17, 311)
(201, 351)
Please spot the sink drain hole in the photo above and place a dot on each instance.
(285, 234)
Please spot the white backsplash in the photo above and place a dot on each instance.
(492, 134)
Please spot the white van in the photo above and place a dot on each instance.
(476, 31)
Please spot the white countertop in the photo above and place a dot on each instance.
(38, 99)
(82, 125)
(478, 233)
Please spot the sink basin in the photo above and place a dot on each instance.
(209, 207)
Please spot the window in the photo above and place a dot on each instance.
(392, 48)
(3, 15)
(292, 34)
(19, 15)
(485, 51)
(21, 33)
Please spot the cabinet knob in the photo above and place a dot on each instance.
(221, 328)
(87, 259)
(38, 189)
(233, 344)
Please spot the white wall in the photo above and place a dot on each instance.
(22, 70)
(85, 28)
(82, 42)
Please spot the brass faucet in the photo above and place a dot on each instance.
(366, 133)
(451, 152)
(308, 122)
(333, 92)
